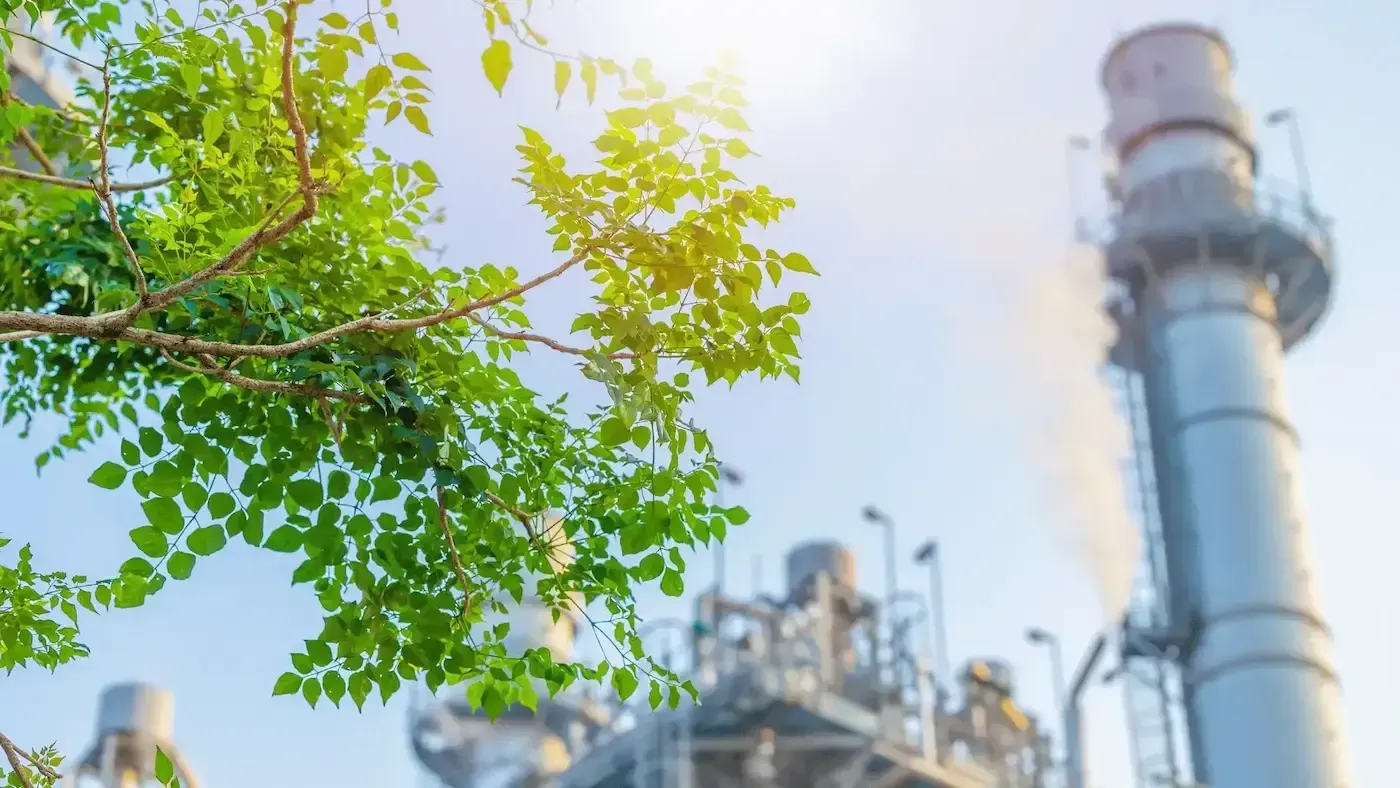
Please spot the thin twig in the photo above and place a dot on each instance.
(308, 188)
(453, 555)
(103, 188)
(265, 386)
(73, 183)
(524, 336)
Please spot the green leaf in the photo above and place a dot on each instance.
(206, 541)
(737, 515)
(409, 61)
(149, 540)
(151, 441)
(165, 769)
(613, 432)
(496, 64)
(164, 514)
(138, 567)
(311, 691)
(671, 583)
(213, 126)
(624, 682)
(131, 454)
(194, 495)
(336, 21)
(306, 492)
(334, 685)
(285, 539)
(221, 504)
(287, 684)
(180, 565)
(635, 539)
(108, 476)
(651, 567)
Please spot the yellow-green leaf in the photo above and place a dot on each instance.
(376, 80)
(409, 61)
(417, 117)
(496, 64)
(337, 21)
(562, 72)
(589, 74)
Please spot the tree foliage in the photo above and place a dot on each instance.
(251, 323)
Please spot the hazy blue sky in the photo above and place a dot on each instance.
(926, 144)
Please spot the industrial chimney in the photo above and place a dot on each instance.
(1216, 279)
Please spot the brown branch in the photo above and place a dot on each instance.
(16, 336)
(452, 553)
(30, 144)
(71, 183)
(14, 755)
(544, 340)
(307, 186)
(103, 188)
(100, 326)
(265, 386)
(37, 152)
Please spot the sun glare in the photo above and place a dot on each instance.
(775, 44)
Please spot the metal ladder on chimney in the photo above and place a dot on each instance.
(1152, 681)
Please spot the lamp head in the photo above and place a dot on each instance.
(1038, 635)
(1278, 116)
(871, 514)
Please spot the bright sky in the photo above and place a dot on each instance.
(926, 146)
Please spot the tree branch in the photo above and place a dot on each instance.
(103, 188)
(452, 553)
(266, 386)
(307, 186)
(71, 183)
(14, 755)
(543, 340)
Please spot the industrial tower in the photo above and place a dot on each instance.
(132, 721)
(1213, 280)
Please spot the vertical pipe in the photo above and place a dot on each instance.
(1072, 722)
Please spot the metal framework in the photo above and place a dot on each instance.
(814, 690)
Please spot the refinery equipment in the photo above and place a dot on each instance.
(132, 721)
(461, 748)
(812, 690)
(1214, 278)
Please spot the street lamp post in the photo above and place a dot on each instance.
(731, 477)
(928, 555)
(1289, 119)
(873, 515)
(1040, 637)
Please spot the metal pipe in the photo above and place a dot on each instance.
(930, 556)
(1071, 719)
(1289, 119)
(730, 476)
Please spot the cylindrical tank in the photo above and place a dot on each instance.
(132, 721)
(459, 745)
(531, 620)
(1206, 267)
(138, 710)
(809, 559)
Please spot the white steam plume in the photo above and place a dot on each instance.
(1081, 439)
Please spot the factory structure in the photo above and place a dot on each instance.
(1224, 656)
